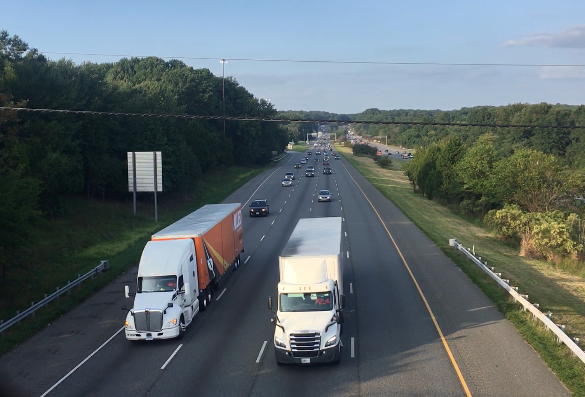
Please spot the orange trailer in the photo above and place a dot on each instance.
(216, 230)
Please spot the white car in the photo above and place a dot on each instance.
(324, 195)
(303, 161)
(286, 182)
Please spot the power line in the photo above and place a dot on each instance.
(284, 120)
(323, 61)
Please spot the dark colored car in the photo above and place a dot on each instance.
(310, 171)
(297, 165)
(327, 171)
(337, 157)
(259, 207)
(309, 153)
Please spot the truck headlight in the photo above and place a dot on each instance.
(331, 341)
(279, 343)
(171, 323)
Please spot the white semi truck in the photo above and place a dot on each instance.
(308, 317)
(180, 268)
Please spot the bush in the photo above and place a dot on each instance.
(383, 161)
(364, 150)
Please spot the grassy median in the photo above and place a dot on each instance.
(556, 291)
(92, 231)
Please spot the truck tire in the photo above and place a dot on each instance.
(202, 301)
(337, 355)
(181, 328)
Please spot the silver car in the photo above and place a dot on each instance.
(324, 195)
(286, 182)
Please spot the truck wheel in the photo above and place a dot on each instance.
(202, 301)
(337, 355)
(181, 328)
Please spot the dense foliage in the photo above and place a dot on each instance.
(45, 157)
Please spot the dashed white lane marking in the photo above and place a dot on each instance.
(342, 208)
(83, 362)
(285, 201)
(345, 234)
(272, 223)
(348, 254)
(171, 357)
(351, 288)
(280, 210)
(222, 292)
(352, 348)
(343, 219)
(310, 209)
(261, 351)
(262, 238)
(247, 259)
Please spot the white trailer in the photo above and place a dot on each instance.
(310, 294)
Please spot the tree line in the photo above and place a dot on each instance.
(46, 157)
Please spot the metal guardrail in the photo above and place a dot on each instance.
(48, 298)
(558, 330)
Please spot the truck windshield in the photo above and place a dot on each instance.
(308, 302)
(157, 283)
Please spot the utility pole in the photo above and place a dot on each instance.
(223, 90)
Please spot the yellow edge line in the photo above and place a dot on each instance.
(445, 344)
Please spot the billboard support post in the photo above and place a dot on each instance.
(134, 180)
(155, 188)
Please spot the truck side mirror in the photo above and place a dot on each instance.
(342, 302)
(269, 303)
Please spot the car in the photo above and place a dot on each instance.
(290, 175)
(326, 158)
(337, 158)
(309, 173)
(316, 159)
(325, 162)
(303, 161)
(286, 182)
(310, 168)
(327, 171)
(324, 195)
(309, 153)
(259, 207)
(297, 165)
(318, 152)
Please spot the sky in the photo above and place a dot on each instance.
(447, 31)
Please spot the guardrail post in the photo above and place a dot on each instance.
(33, 313)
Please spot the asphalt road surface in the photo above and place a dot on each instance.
(415, 325)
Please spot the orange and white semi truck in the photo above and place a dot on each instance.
(180, 268)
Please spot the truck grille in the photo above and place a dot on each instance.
(148, 320)
(305, 344)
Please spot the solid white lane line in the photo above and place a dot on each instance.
(272, 223)
(246, 261)
(173, 355)
(348, 254)
(352, 348)
(351, 288)
(81, 363)
(221, 294)
(262, 238)
(261, 351)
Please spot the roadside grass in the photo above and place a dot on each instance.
(555, 290)
(92, 231)
(300, 147)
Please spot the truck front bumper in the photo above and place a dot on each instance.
(327, 355)
(166, 333)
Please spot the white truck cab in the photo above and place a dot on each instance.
(166, 297)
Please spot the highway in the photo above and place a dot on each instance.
(415, 325)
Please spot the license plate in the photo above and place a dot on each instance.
(305, 360)
(149, 337)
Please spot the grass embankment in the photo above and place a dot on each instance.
(92, 231)
(556, 291)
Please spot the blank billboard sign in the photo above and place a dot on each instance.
(145, 172)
